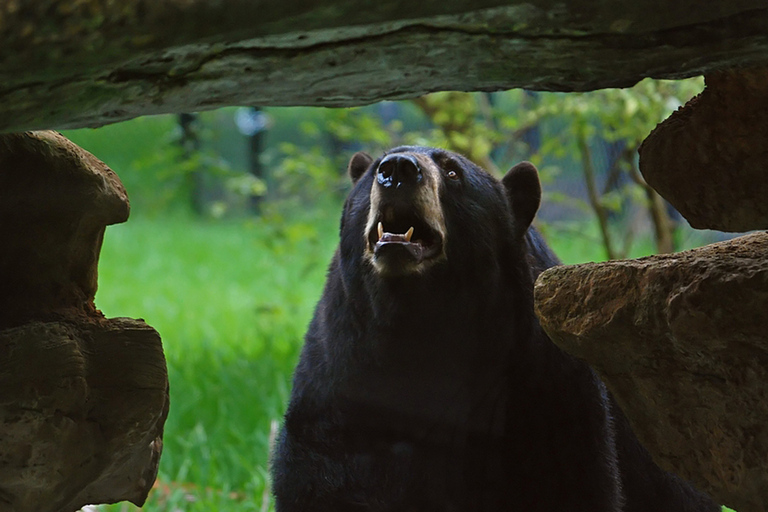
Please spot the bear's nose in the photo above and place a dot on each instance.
(398, 170)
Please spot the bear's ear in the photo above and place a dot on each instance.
(524, 193)
(359, 163)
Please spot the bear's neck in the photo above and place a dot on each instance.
(430, 350)
(457, 327)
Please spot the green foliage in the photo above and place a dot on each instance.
(361, 126)
(143, 153)
(159, 173)
(574, 126)
(613, 114)
(306, 173)
(315, 166)
(307, 150)
(461, 123)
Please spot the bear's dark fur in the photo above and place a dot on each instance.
(426, 383)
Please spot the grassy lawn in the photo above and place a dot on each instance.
(231, 300)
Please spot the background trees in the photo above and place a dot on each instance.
(229, 162)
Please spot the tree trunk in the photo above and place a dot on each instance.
(601, 213)
(663, 225)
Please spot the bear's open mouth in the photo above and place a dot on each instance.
(404, 233)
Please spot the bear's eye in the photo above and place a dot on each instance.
(450, 167)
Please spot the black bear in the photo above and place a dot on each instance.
(426, 383)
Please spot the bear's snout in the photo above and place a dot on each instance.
(399, 171)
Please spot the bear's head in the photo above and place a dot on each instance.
(419, 210)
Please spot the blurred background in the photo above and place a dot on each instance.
(234, 218)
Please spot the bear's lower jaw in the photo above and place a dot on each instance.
(399, 250)
(397, 258)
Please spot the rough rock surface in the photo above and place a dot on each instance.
(70, 63)
(55, 203)
(710, 158)
(680, 340)
(81, 413)
(83, 399)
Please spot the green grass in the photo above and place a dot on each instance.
(231, 301)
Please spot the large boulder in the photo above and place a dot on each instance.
(55, 202)
(82, 407)
(710, 158)
(69, 63)
(83, 398)
(680, 340)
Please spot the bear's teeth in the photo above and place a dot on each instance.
(406, 236)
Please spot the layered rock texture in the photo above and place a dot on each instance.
(680, 340)
(83, 399)
(709, 159)
(72, 63)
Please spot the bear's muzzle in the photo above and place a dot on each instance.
(406, 228)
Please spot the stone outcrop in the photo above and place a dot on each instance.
(55, 203)
(70, 63)
(83, 399)
(680, 340)
(710, 158)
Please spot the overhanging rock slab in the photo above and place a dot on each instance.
(680, 340)
(67, 63)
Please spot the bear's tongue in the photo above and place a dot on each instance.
(403, 240)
